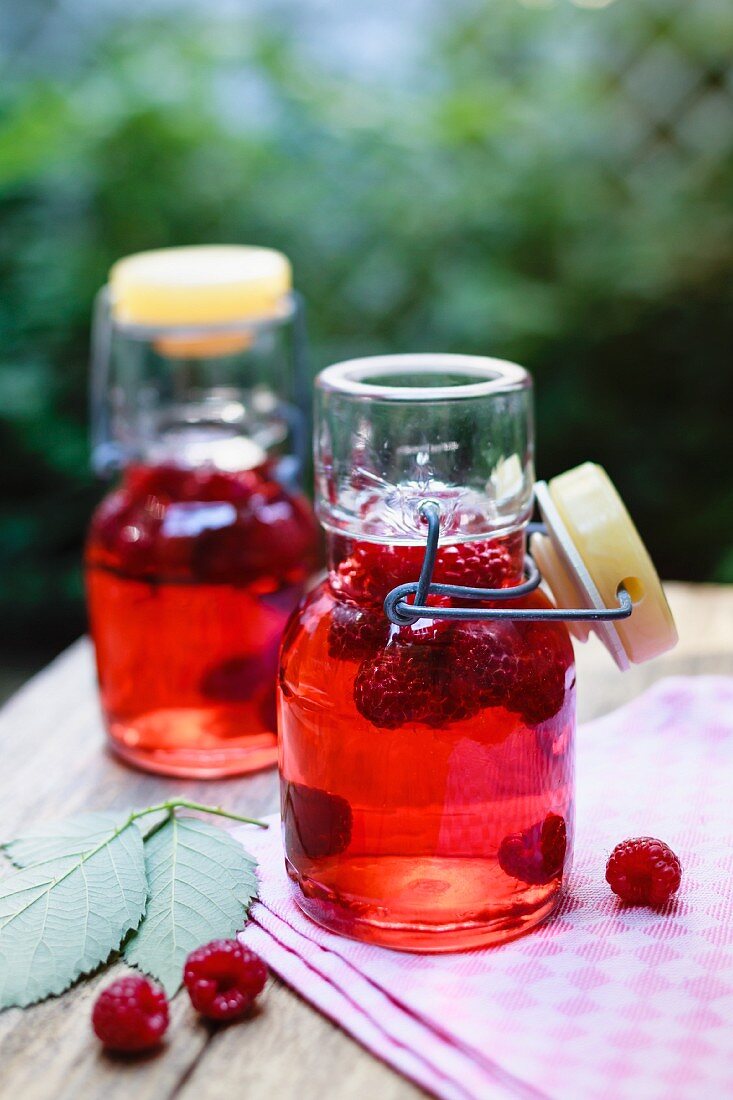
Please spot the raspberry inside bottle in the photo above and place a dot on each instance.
(195, 561)
(427, 769)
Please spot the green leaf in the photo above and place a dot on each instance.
(201, 883)
(81, 890)
(63, 839)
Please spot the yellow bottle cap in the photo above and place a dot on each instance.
(592, 548)
(199, 285)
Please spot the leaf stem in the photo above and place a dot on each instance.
(172, 804)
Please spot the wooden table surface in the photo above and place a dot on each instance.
(54, 764)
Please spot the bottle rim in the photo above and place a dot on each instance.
(375, 377)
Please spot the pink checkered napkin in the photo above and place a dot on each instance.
(600, 1002)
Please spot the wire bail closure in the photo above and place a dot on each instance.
(402, 613)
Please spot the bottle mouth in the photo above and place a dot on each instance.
(423, 377)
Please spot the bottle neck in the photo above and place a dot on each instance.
(193, 447)
(364, 572)
(209, 443)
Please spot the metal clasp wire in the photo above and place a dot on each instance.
(402, 613)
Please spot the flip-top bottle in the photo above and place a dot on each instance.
(197, 557)
(427, 687)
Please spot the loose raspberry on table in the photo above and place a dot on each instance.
(356, 632)
(536, 855)
(643, 871)
(130, 1015)
(317, 823)
(223, 978)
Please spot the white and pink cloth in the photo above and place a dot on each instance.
(603, 1002)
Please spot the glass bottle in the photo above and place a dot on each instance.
(426, 770)
(197, 557)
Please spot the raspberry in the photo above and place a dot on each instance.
(221, 555)
(223, 978)
(219, 527)
(124, 530)
(236, 679)
(427, 629)
(130, 1015)
(453, 704)
(271, 533)
(413, 682)
(167, 481)
(475, 565)
(212, 485)
(405, 683)
(520, 668)
(356, 632)
(643, 871)
(487, 664)
(539, 690)
(372, 569)
(317, 823)
(162, 481)
(535, 856)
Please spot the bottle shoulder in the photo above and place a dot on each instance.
(329, 625)
(205, 525)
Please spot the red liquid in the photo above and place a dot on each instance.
(427, 772)
(191, 576)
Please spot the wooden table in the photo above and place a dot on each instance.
(54, 764)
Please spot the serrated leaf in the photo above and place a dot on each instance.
(72, 836)
(82, 889)
(201, 884)
(57, 839)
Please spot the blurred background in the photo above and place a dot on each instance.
(542, 180)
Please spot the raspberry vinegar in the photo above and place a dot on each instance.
(191, 576)
(427, 770)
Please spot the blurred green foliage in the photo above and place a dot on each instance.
(550, 184)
